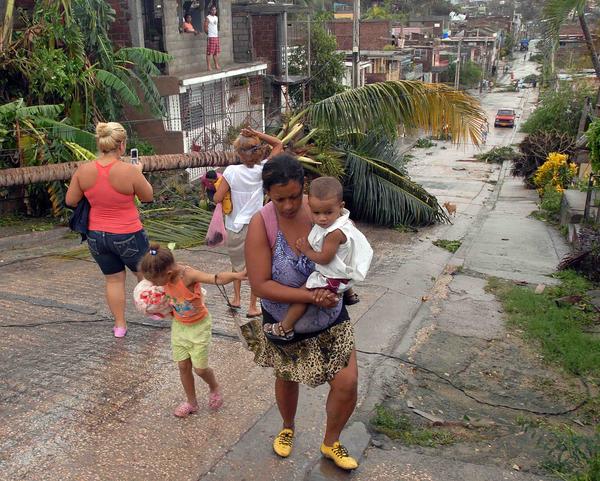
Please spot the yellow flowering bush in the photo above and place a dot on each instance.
(555, 173)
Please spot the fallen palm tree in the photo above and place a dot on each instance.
(152, 163)
(350, 135)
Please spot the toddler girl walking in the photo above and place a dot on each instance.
(191, 328)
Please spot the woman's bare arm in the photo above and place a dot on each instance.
(141, 187)
(221, 191)
(74, 192)
(274, 142)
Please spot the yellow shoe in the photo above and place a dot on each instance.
(339, 455)
(284, 442)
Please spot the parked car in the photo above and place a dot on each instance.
(505, 118)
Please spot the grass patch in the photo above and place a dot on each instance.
(398, 426)
(558, 330)
(424, 143)
(573, 456)
(449, 245)
(13, 224)
(404, 228)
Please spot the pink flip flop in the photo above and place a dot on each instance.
(119, 331)
(184, 410)
(215, 400)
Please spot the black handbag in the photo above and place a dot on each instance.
(79, 219)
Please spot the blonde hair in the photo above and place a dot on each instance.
(243, 142)
(109, 135)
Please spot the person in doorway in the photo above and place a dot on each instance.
(116, 237)
(244, 182)
(322, 350)
(211, 28)
(188, 27)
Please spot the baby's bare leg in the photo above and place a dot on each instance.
(295, 312)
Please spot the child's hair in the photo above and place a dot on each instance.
(325, 188)
(156, 261)
(211, 174)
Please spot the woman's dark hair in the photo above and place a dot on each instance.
(282, 169)
(211, 174)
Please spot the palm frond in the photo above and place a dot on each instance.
(186, 227)
(143, 58)
(66, 132)
(386, 105)
(49, 111)
(79, 152)
(380, 193)
(557, 12)
(149, 90)
(111, 81)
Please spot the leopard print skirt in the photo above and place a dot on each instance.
(313, 361)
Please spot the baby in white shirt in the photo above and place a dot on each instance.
(341, 252)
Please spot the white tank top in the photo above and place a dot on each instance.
(213, 25)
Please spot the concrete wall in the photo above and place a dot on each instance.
(188, 50)
(242, 47)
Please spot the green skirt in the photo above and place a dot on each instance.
(313, 361)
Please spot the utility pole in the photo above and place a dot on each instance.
(285, 59)
(355, 44)
(457, 71)
(308, 61)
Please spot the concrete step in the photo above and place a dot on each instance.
(572, 206)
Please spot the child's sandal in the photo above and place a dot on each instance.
(276, 332)
(215, 400)
(185, 409)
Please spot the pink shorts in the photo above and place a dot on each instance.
(213, 47)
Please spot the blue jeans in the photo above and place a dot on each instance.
(114, 252)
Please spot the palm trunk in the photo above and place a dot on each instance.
(595, 60)
(7, 24)
(152, 163)
(590, 44)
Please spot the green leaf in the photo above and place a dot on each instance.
(387, 105)
(66, 132)
(380, 193)
(114, 83)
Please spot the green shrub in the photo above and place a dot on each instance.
(551, 200)
(559, 111)
(424, 143)
(497, 155)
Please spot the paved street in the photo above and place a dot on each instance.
(78, 404)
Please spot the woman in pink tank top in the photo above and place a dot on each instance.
(116, 237)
